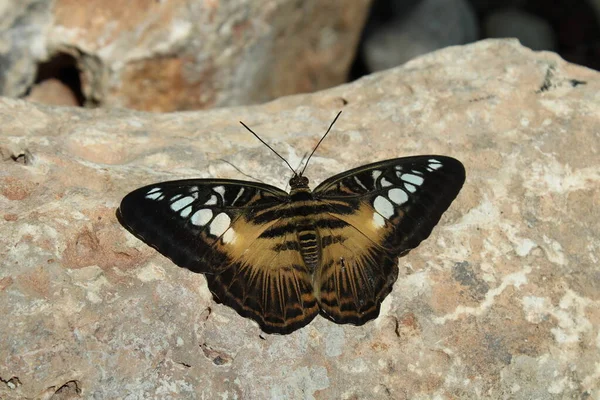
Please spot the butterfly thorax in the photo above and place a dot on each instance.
(303, 203)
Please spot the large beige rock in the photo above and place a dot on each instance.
(180, 55)
(502, 301)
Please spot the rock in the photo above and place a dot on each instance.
(428, 26)
(500, 302)
(531, 30)
(166, 56)
(22, 33)
(53, 92)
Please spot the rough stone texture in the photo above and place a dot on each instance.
(179, 55)
(502, 301)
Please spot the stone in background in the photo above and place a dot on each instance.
(178, 55)
(419, 29)
(399, 30)
(533, 32)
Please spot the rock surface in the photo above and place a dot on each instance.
(181, 55)
(502, 301)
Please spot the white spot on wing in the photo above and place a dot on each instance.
(229, 236)
(375, 174)
(154, 193)
(186, 211)
(181, 203)
(378, 220)
(238, 196)
(385, 182)
(410, 187)
(220, 190)
(212, 201)
(201, 217)
(434, 164)
(359, 183)
(383, 207)
(219, 224)
(398, 196)
(414, 179)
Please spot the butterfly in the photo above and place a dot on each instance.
(283, 258)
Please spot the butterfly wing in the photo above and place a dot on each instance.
(395, 205)
(209, 227)
(269, 283)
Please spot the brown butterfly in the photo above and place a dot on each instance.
(282, 258)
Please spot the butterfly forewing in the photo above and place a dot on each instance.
(397, 203)
(189, 220)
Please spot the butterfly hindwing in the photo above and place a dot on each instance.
(269, 282)
(356, 273)
(397, 203)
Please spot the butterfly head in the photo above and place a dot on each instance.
(298, 182)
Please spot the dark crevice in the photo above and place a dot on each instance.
(70, 390)
(216, 356)
(397, 327)
(576, 82)
(63, 67)
(25, 158)
(12, 383)
(21, 156)
(183, 363)
(547, 84)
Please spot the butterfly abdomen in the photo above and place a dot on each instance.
(309, 246)
(303, 212)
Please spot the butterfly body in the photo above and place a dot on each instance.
(281, 259)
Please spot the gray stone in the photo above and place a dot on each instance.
(531, 30)
(500, 302)
(23, 26)
(428, 26)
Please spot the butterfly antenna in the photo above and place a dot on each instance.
(317, 146)
(302, 160)
(240, 171)
(270, 148)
